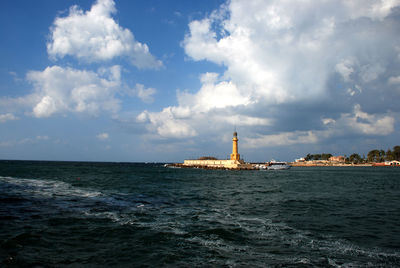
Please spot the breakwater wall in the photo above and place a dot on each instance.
(216, 167)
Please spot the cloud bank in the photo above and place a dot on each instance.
(295, 72)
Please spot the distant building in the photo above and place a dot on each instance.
(299, 160)
(339, 158)
(234, 163)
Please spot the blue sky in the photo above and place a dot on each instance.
(170, 80)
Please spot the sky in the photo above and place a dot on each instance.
(164, 81)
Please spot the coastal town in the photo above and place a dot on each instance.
(342, 161)
(374, 158)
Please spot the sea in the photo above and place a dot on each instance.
(86, 214)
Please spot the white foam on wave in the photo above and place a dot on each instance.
(341, 246)
(328, 245)
(63, 192)
(50, 188)
(115, 217)
(264, 231)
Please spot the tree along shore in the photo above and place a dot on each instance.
(324, 163)
(373, 156)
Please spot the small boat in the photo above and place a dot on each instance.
(171, 166)
(276, 165)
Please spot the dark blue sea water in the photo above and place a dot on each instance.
(71, 214)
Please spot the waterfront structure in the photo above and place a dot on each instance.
(233, 163)
(339, 158)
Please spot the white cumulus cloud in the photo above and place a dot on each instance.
(7, 117)
(102, 136)
(394, 80)
(59, 90)
(95, 36)
(279, 51)
(24, 141)
(166, 124)
(368, 124)
(143, 93)
(199, 111)
(281, 139)
(345, 69)
(213, 94)
(357, 122)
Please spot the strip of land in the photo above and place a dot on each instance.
(328, 164)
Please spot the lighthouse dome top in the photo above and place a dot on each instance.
(235, 134)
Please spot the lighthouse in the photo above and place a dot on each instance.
(235, 154)
(234, 163)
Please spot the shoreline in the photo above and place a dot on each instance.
(330, 165)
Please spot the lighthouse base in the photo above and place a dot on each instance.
(217, 164)
(235, 157)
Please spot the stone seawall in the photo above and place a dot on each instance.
(220, 166)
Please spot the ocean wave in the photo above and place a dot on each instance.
(62, 196)
(280, 241)
(185, 219)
